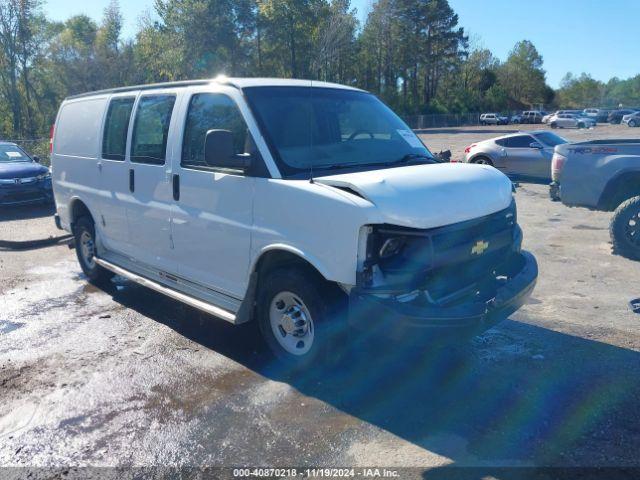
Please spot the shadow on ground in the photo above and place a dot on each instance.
(524, 394)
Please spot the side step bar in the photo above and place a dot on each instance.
(181, 297)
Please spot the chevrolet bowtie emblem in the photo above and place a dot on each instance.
(479, 247)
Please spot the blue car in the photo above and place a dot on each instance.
(22, 179)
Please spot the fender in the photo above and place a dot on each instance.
(310, 259)
(611, 187)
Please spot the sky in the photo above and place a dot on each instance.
(594, 36)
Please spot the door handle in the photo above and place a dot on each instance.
(132, 180)
(176, 187)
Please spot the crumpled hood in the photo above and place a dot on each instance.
(21, 170)
(428, 196)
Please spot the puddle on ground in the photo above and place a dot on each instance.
(8, 327)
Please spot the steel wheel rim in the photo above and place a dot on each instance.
(87, 249)
(291, 323)
(633, 228)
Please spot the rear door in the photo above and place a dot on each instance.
(521, 158)
(149, 180)
(213, 212)
(114, 173)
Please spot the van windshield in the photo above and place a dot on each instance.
(12, 153)
(331, 129)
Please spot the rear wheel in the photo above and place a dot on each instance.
(299, 317)
(554, 125)
(580, 125)
(85, 240)
(482, 161)
(625, 229)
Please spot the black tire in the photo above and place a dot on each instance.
(625, 229)
(324, 304)
(581, 125)
(632, 123)
(83, 231)
(482, 161)
(554, 125)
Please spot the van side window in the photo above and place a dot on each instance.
(114, 140)
(210, 111)
(151, 129)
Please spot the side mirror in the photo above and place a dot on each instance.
(36, 159)
(218, 151)
(536, 145)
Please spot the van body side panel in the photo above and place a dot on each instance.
(74, 160)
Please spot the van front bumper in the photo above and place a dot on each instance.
(496, 300)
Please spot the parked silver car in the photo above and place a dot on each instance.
(571, 120)
(526, 154)
(632, 119)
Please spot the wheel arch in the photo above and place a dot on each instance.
(624, 185)
(77, 209)
(272, 257)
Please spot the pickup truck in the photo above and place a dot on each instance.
(603, 175)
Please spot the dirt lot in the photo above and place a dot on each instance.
(127, 377)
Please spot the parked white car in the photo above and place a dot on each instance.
(571, 120)
(307, 207)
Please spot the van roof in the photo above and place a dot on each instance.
(222, 80)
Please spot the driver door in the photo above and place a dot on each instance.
(522, 159)
(212, 213)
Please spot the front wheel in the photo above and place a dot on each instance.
(85, 240)
(625, 229)
(632, 123)
(554, 125)
(299, 317)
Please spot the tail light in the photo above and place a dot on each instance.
(557, 164)
(51, 130)
(468, 149)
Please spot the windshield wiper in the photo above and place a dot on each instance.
(413, 156)
(405, 159)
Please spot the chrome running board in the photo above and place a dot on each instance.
(169, 292)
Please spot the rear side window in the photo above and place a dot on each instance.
(151, 129)
(211, 111)
(520, 141)
(114, 140)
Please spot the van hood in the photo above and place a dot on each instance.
(428, 196)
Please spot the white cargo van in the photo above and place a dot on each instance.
(306, 206)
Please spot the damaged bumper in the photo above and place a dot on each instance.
(493, 301)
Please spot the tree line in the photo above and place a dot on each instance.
(411, 53)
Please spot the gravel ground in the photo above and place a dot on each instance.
(126, 377)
